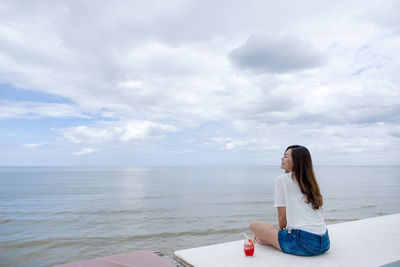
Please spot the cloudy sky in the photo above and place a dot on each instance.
(199, 82)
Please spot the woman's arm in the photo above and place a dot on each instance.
(282, 217)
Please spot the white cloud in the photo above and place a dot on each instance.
(34, 110)
(116, 132)
(32, 145)
(85, 151)
(331, 145)
(251, 144)
(276, 54)
(85, 134)
(158, 68)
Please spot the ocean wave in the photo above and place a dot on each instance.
(244, 203)
(5, 221)
(63, 242)
(206, 232)
(351, 208)
(23, 244)
(332, 221)
(83, 212)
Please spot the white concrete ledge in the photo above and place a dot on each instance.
(368, 242)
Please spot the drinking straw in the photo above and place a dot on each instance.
(251, 238)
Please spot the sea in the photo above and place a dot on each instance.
(55, 215)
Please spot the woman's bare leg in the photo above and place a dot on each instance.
(261, 242)
(266, 232)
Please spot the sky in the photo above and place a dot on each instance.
(138, 83)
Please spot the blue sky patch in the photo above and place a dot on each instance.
(11, 93)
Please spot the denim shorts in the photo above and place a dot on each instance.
(302, 243)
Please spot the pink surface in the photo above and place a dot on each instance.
(140, 258)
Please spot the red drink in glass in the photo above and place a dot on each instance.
(248, 247)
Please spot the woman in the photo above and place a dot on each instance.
(302, 230)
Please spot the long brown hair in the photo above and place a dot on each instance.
(304, 175)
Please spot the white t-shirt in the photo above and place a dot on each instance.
(299, 214)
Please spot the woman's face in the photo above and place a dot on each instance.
(287, 163)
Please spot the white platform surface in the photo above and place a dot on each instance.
(368, 242)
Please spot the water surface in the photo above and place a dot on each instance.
(52, 215)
